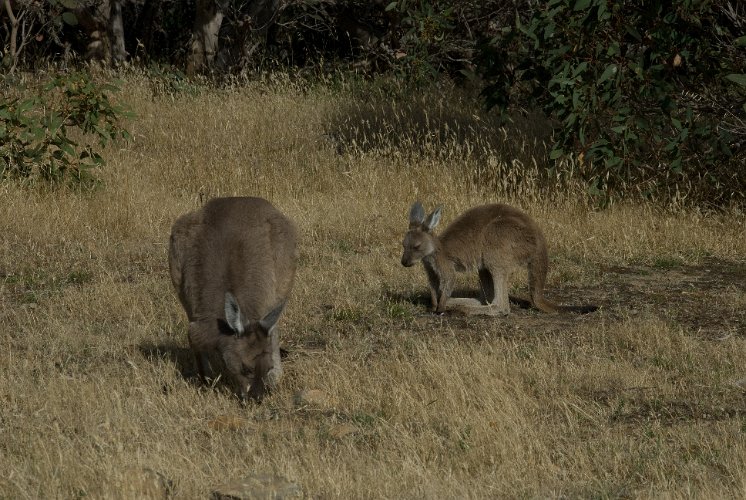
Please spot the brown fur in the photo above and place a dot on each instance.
(490, 239)
(232, 264)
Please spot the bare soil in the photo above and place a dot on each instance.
(697, 297)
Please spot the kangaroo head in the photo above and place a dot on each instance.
(251, 352)
(419, 241)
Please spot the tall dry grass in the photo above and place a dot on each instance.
(94, 371)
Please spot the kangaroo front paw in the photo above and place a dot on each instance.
(272, 379)
(497, 311)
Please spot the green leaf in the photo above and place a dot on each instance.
(391, 6)
(581, 5)
(676, 166)
(613, 50)
(25, 106)
(579, 69)
(70, 4)
(470, 75)
(97, 159)
(741, 41)
(610, 70)
(602, 14)
(633, 32)
(613, 161)
(38, 133)
(66, 148)
(740, 79)
(70, 18)
(556, 153)
(55, 122)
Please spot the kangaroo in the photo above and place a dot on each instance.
(491, 239)
(232, 264)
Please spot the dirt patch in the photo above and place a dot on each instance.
(670, 412)
(708, 300)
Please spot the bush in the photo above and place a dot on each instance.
(36, 133)
(648, 97)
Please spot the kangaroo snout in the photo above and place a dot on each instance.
(406, 262)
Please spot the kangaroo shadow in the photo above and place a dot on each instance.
(182, 358)
(423, 298)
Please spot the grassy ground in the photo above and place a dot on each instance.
(645, 398)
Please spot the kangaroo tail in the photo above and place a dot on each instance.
(537, 275)
(548, 306)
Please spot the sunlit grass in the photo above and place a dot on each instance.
(625, 402)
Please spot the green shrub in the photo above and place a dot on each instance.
(55, 135)
(647, 96)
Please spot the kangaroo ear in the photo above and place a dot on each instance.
(268, 322)
(416, 214)
(233, 319)
(432, 219)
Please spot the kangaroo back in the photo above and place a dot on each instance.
(248, 248)
(473, 235)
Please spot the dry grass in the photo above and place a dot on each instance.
(632, 401)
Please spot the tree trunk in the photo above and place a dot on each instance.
(13, 49)
(207, 22)
(116, 29)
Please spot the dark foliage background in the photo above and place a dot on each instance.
(644, 98)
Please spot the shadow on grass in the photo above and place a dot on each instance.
(422, 299)
(440, 123)
(177, 354)
(183, 358)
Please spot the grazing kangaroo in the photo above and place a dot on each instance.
(491, 239)
(232, 264)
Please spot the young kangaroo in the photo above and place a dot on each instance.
(232, 264)
(491, 239)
